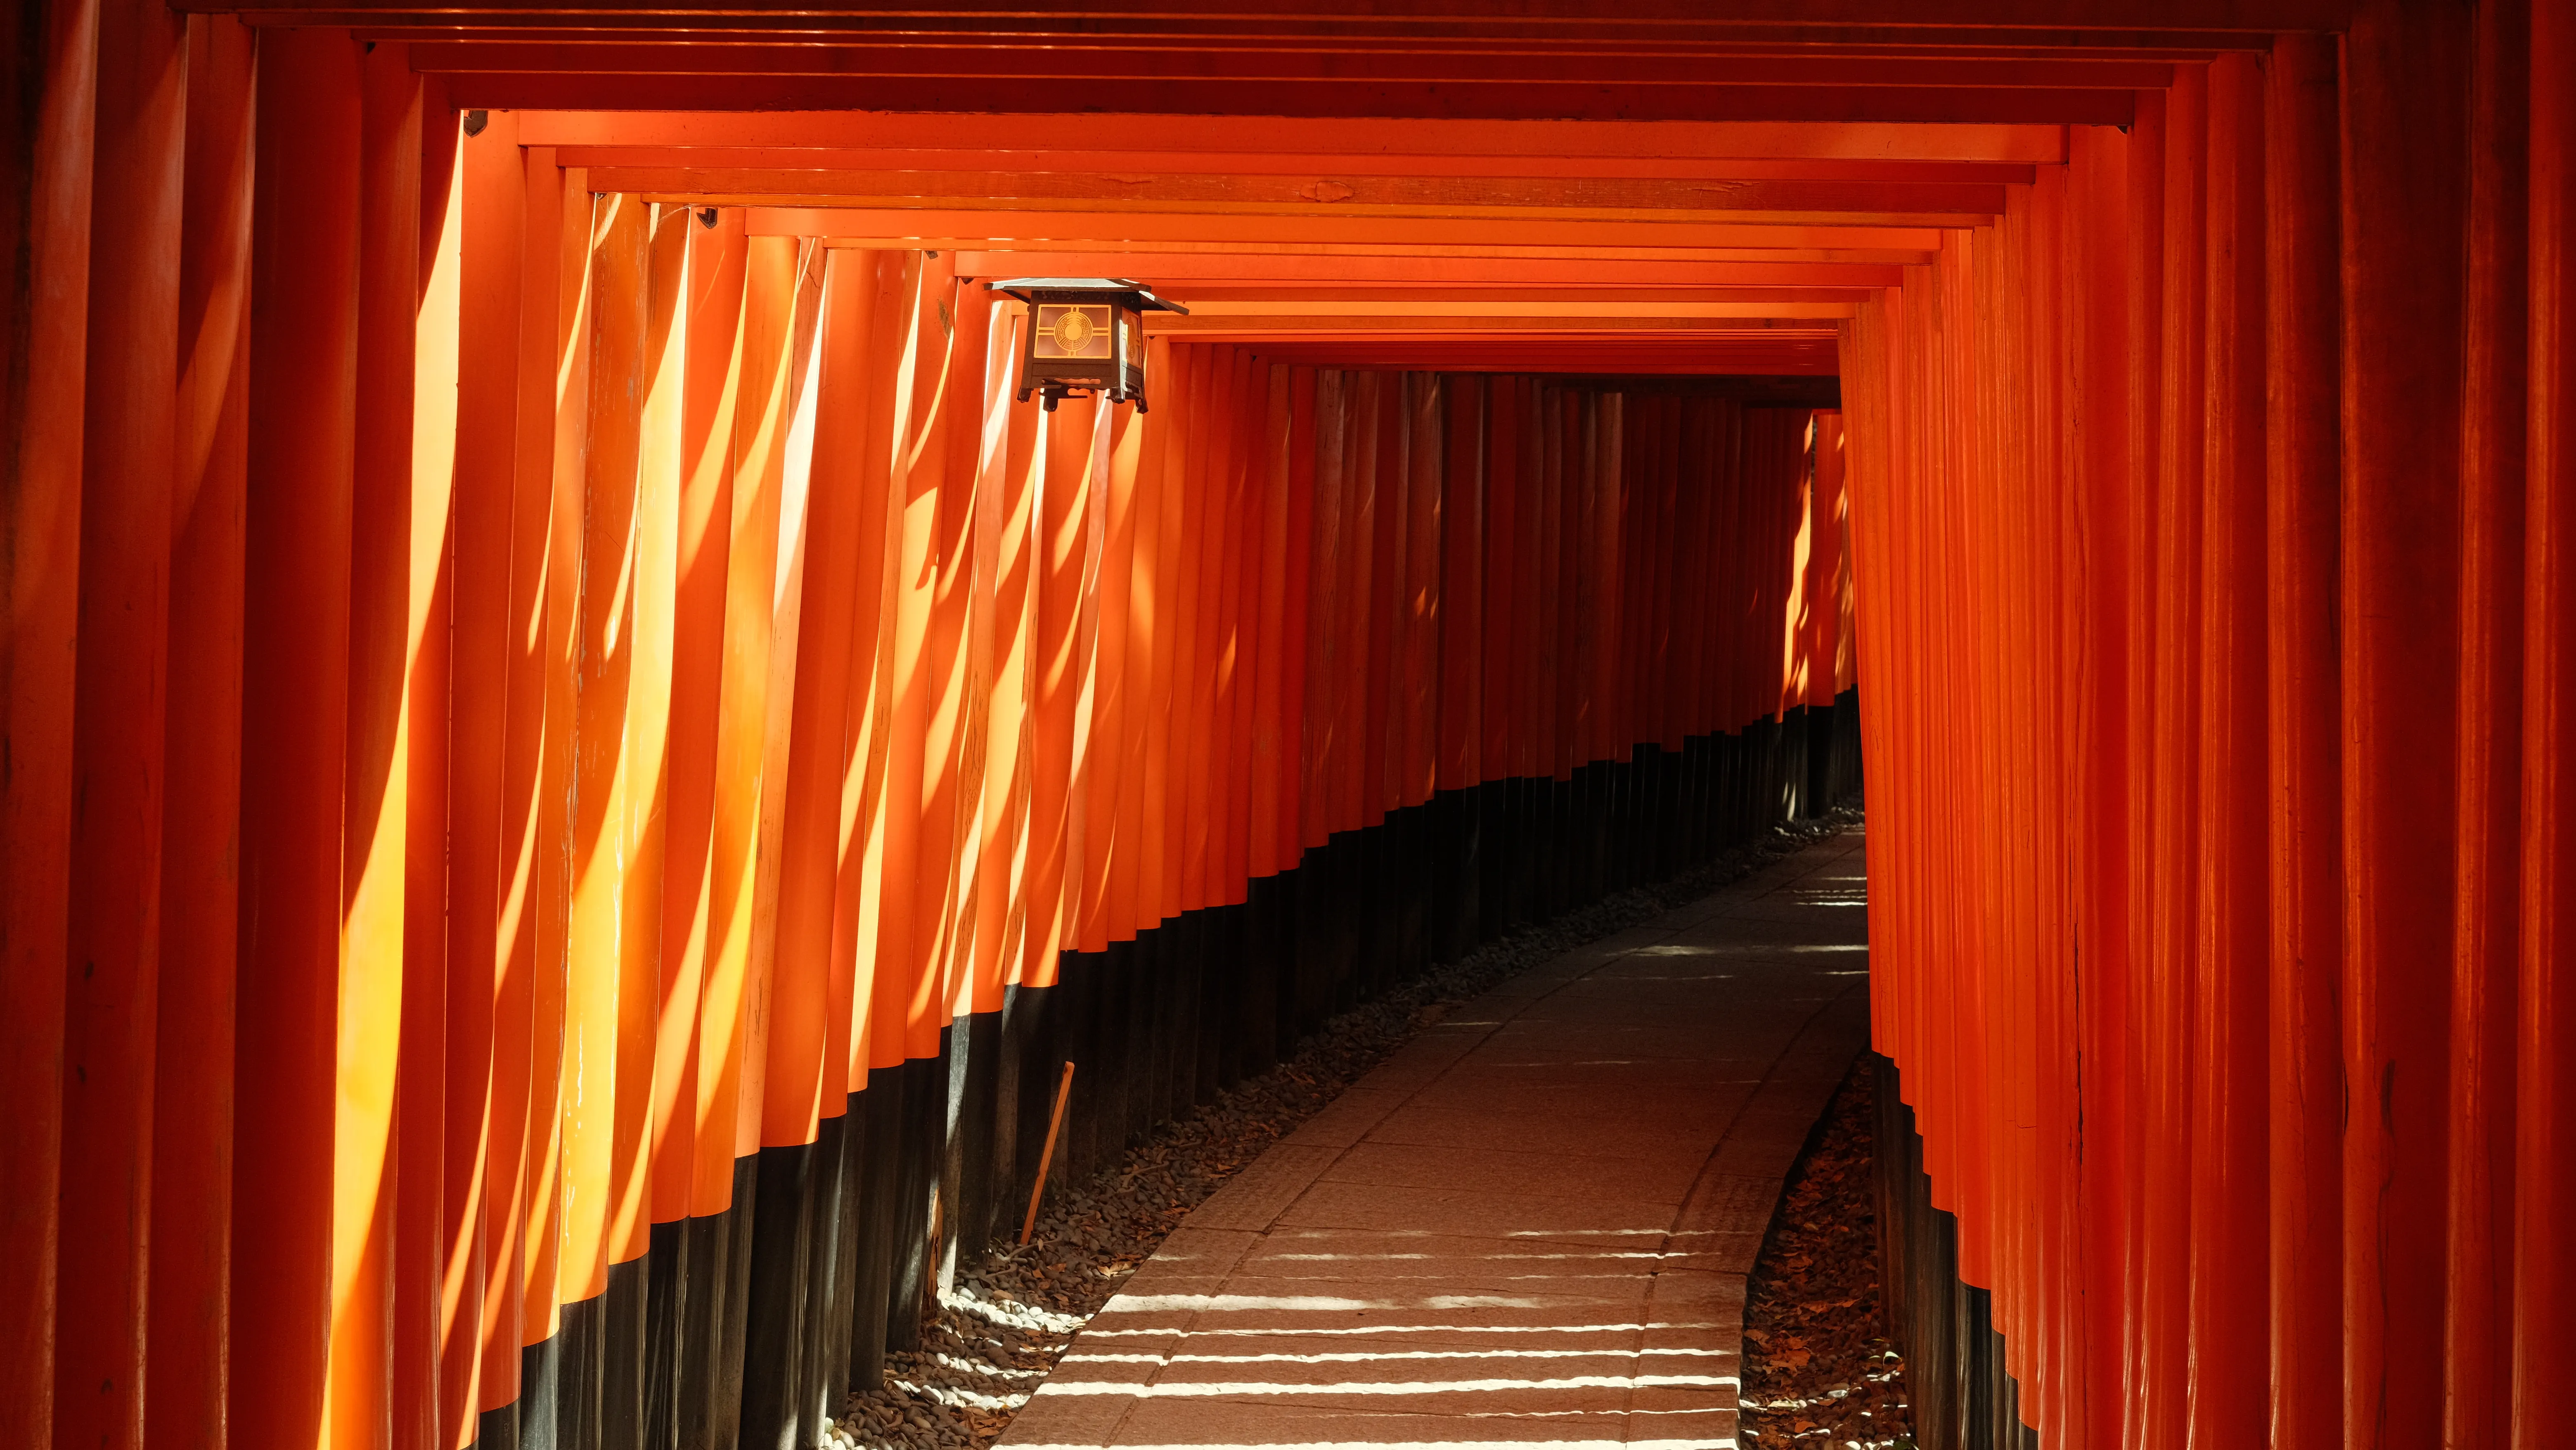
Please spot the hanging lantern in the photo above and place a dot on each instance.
(1085, 335)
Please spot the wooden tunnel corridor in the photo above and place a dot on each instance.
(576, 758)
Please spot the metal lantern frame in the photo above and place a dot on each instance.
(1086, 336)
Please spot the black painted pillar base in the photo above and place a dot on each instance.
(1963, 1398)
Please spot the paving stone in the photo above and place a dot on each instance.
(1617, 1133)
(1654, 1179)
(1255, 1197)
(1347, 1119)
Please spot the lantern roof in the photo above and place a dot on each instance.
(1135, 295)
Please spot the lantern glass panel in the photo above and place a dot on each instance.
(1072, 330)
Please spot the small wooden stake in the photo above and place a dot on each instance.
(1054, 1124)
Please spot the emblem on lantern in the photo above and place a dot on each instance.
(1085, 335)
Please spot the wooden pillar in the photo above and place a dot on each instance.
(2406, 70)
(119, 694)
(295, 692)
(426, 1225)
(50, 137)
(2228, 1026)
(2544, 1305)
(375, 826)
(688, 1178)
(522, 1054)
(488, 209)
(805, 1087)
(2303, 480)
(1060, 528)
(2477, 1272)
(1108, 872)
(192, 1115)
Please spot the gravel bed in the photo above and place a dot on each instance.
(1014, 1312)
(1818, 1368)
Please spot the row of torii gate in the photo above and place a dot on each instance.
(551, 688)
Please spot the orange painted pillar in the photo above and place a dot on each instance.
(1419, 602)
(1270, 812)
(2478, 1271)
(1109, 825)
(642, 1104)
(192, 1110)
(848, 460)
(2544, 1306)
(945, 484)
(2228, 1025)
(1829, 584)
(1609, 512)
(733, 1052)
(1320, 480)
(118, 698)
(1527, 705)
(1190, 568)
(304, 334)
(552, 1150)
(2098, 230)
(2174, 461)
(1131, 894)
(1503, 594)
(688, 1179)
(604, 650)
(1296, 782)
(526, 866)
(1160, 893)
(1379, 504)
(368, 1184)
(950, 791)
(1552, 694)
(1061, 529)
(42, 390)
(860, 902)
(2405, 102)
(913, 504)
(805, 1084)
(1237, 610)
(425, 1223)
(1008, 486)
(489, 206)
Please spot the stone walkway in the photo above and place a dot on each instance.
(1530, 1226)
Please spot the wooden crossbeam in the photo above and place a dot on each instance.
(1028, 135)
(1106, 69)
(1878, 203)
(1854, 19)
(679, 83)
(1270, 231)
(1274, 271)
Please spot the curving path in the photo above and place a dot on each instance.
(1529, 1227)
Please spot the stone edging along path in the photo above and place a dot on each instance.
(1011, 1317)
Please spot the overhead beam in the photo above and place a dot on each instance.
(1307, 270)
(1106, 69)
(678, 83)
(1811, 357)
(1574, 17)
(1256, 164)
(1201, 297)
(1496, 34)
(1271, 233)
(1506, 203)
(1573, 142)
(1489, 325)
(1211, 315)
